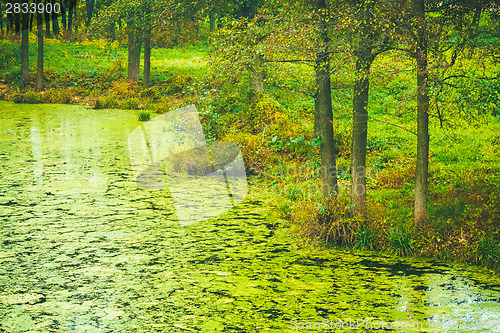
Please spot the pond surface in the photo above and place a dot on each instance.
(83, 249)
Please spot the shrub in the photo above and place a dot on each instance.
(32, 97)
(264, 112)
(327, 219)
(488, 251)
(115, 72)
(18, 97)
(178, 83)
(144, 115)
(129, 104)
(151, 93)
(107, 102)
(213, 125)
(159, 107)
(124, 89)
(61, 96)
(365, 238)
(400, 241)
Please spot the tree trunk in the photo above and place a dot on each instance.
(359, 136)
(134, 56)
(55, 22)
(9, 22)
(90, 9)
(25, 70)
(147, 59)
(39, 64)
(323, 108)
(422, 168)
(31, 22)
(47, 21)
(63, 14)
(17, 22)
(211, 16)
(360, 115)
(256, 81)
(71, 13)
(112, 31)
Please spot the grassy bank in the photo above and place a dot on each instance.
(94, 73)
(275, 130)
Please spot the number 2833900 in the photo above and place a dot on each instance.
(25, 8)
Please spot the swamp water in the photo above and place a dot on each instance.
(83, 249)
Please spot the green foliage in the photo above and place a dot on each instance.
(212, 123)
(335, 221)
(264, 111)
(488, 251)
(32, 97)
(179, 84)
(365, 238)
(130, 104)
(144, 116)
(400, 241)
(151, 93)
(299, 145)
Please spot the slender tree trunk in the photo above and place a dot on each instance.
(1, 18)
(31, 22)
(147, 60)
(25, 70)
(71, 13)
(47, 21)
(211, 17)
(63, 14)
(90, 9)
(360, 114)
(359, 135)
(134, 56)
(112, 31)
(422, 168)
(9, 22)
(55, 21)
(17, 22)
(323, 108)
(39, 64)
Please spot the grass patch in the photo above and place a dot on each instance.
(144, 116)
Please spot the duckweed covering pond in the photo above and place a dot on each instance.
(83, 249)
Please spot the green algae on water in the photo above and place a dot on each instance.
(83, 249)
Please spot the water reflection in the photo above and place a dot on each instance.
(65, 158)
